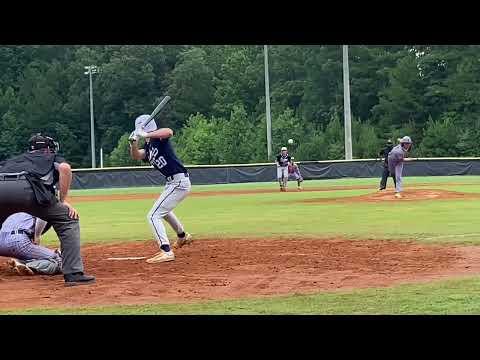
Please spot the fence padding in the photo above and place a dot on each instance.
(225, 174)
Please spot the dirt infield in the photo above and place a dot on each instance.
(408, 195)
(237, 268)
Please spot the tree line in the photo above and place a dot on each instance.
(429, 92)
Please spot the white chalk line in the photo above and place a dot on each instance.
(127, 258)
(448, 236)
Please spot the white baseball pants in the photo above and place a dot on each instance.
(175, 191)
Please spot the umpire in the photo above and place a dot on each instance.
(27, 184)
(384, 153)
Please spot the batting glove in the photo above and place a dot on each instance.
(133, 136)
(141, 133)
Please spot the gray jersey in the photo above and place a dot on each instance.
(20, 246)
(19, 221)
(396, 156)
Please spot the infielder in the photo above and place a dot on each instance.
(20, 238)
(294, 170)
(159, 153)
(283, 160)
(396, 157)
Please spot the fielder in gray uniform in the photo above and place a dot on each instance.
(20, 238)
(28, 184)
(294, 170)
(159, 153)
(396, 157)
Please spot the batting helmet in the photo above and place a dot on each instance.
(405, 140)
(142, 119)
(39, 141)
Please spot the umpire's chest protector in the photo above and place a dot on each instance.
(35, 163)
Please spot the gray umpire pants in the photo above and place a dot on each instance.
(17, 196)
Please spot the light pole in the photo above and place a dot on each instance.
(346, 105)
(267, 104)
(92, 69)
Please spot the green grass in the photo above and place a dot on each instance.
(434, 180)
(264, 214)
(256, 215)
(445, 297)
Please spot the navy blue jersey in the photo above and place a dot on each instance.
(283, 160)
(159, 153)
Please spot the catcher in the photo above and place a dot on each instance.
(20, 238)
(294, 170)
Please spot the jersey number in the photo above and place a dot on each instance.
(160, 162)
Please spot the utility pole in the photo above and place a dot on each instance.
(346, 105)
(267, 104)
(92, 69)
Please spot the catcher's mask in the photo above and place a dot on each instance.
(39, 141)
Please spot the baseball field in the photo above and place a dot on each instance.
(337, 247)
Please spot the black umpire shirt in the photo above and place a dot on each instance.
(385, 151)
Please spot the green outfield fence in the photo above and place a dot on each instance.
(121, 177)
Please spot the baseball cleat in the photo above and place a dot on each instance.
(161, 256)
(299, 188)
(19, 268)
(183, 241)
(398, 195)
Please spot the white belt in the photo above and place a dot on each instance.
(178, 177)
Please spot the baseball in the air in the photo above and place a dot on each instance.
(290, 141)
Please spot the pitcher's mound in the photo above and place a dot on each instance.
(416, 194)
(407, 195)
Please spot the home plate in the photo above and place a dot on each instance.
(127, 258)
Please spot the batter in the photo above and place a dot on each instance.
(159, 153)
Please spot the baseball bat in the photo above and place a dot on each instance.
(155, 112)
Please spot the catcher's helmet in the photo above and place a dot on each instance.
(39, 141)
